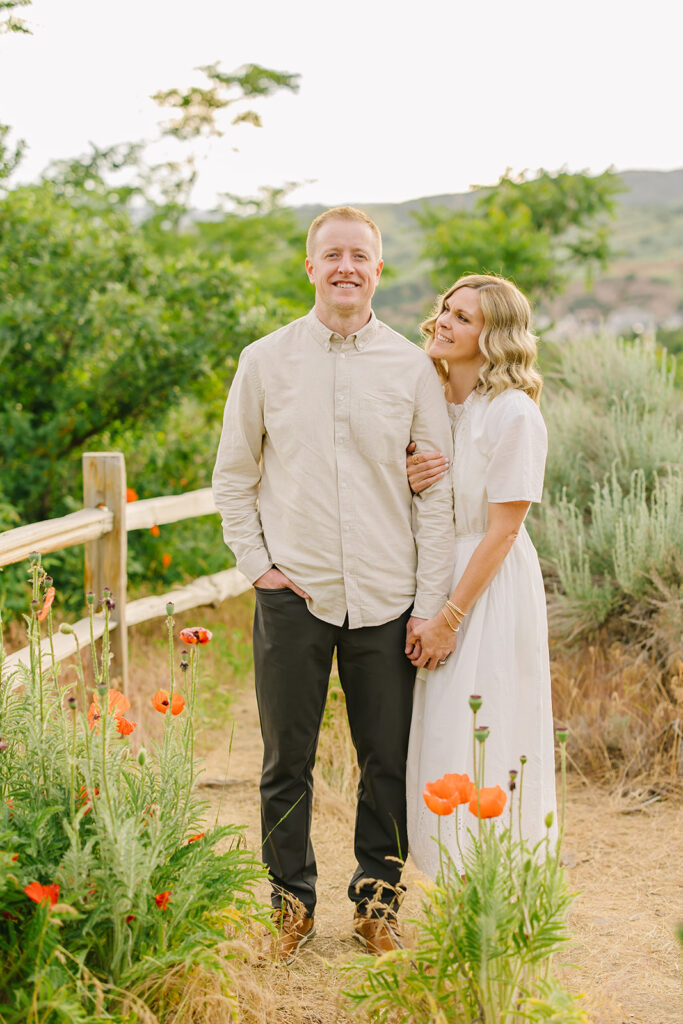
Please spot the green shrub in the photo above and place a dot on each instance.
(140, 889)
(609, 532)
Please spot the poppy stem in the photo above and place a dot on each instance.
(171, 656)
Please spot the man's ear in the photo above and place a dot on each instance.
(380, 267)
(309, 270)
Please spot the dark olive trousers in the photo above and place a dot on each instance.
(293, 653)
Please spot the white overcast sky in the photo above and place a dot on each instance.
(397, 100)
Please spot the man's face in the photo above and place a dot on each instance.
(344, 266)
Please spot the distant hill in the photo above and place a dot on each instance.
(642, 287)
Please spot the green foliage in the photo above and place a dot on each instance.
(533, 231)
(198, 107)
(8, 23)
(486, 937)
(111, 830)
(610, 531)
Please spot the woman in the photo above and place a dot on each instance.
(492, 635)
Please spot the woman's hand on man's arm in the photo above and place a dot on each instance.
(424, 468)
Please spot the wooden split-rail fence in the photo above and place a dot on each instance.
(103, 525)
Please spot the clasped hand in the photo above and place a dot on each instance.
(429, 641)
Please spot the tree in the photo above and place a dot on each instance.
(8, 23)
(534, 231)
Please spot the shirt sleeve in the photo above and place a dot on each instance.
(517, 440)
(432, 511)
(237, 473)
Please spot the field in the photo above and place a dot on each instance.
(623, 856)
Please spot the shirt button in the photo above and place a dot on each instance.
(342, 355)
(341, 398)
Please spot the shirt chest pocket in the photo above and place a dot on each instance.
(380, 426)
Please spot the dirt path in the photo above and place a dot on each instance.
(626, 866)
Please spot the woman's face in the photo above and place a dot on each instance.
(457, 330)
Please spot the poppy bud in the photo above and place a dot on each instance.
(481, 733)
(34, 558)
(549, 819)
(110, 604)
(102, 689)
(475, 702)
(72, 703)
(106, 591)
(512, 785)
(35, 605)
(522, 759)
(48, 581)
(90, 597)
(184, 664)
(562, 735)
(65, 628)
(169, 608)
(142, 756)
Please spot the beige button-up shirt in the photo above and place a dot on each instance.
(310, 474)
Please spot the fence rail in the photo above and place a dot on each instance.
(103, 526)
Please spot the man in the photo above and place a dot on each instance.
(311, 485)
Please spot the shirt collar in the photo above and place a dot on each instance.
(324, 336)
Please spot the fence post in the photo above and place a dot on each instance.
(104, 483)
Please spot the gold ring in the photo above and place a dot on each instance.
(416, 459)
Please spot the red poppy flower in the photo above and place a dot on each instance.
(47, 603)
(195, 635)
(118, 705)
(84, 799)
(38, 893)
(154, 530)
(166, 559)
(129, 918)
(444, 795)
(131, 495)
(194, 839)
(124, 726)
(162, 899)
(161, 701)
(488, 802)
(15, 856)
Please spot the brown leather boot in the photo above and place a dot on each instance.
(293, 931)
(378, 934)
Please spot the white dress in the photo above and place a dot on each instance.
(500, 446)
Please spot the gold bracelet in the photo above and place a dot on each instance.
(458, 612)
(450, 625)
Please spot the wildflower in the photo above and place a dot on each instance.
(166, 559)
(124, 726)
(129, 918)
(131, 495)
(161, 701)
(84, 799)
(38, 893)
(194, 839)
(444, 795)
(155, 531)
(47, 603)
(488, 802)
(162, 899)
(15, 856)
(195, 635)
(118, 705)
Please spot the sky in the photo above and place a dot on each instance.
(396, 100)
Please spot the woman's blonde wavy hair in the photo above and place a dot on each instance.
(507, 342)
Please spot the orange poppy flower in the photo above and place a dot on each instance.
(162, 899)
(444, 795)
(38, 893)
(131, 495)
(194, 839)
(162, 700)
(84, 799)
(118, 705)
(155, 531)
(47, 603)
(166, 559)
(195, 635)
(488, 802)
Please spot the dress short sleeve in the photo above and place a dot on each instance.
(517, 440)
